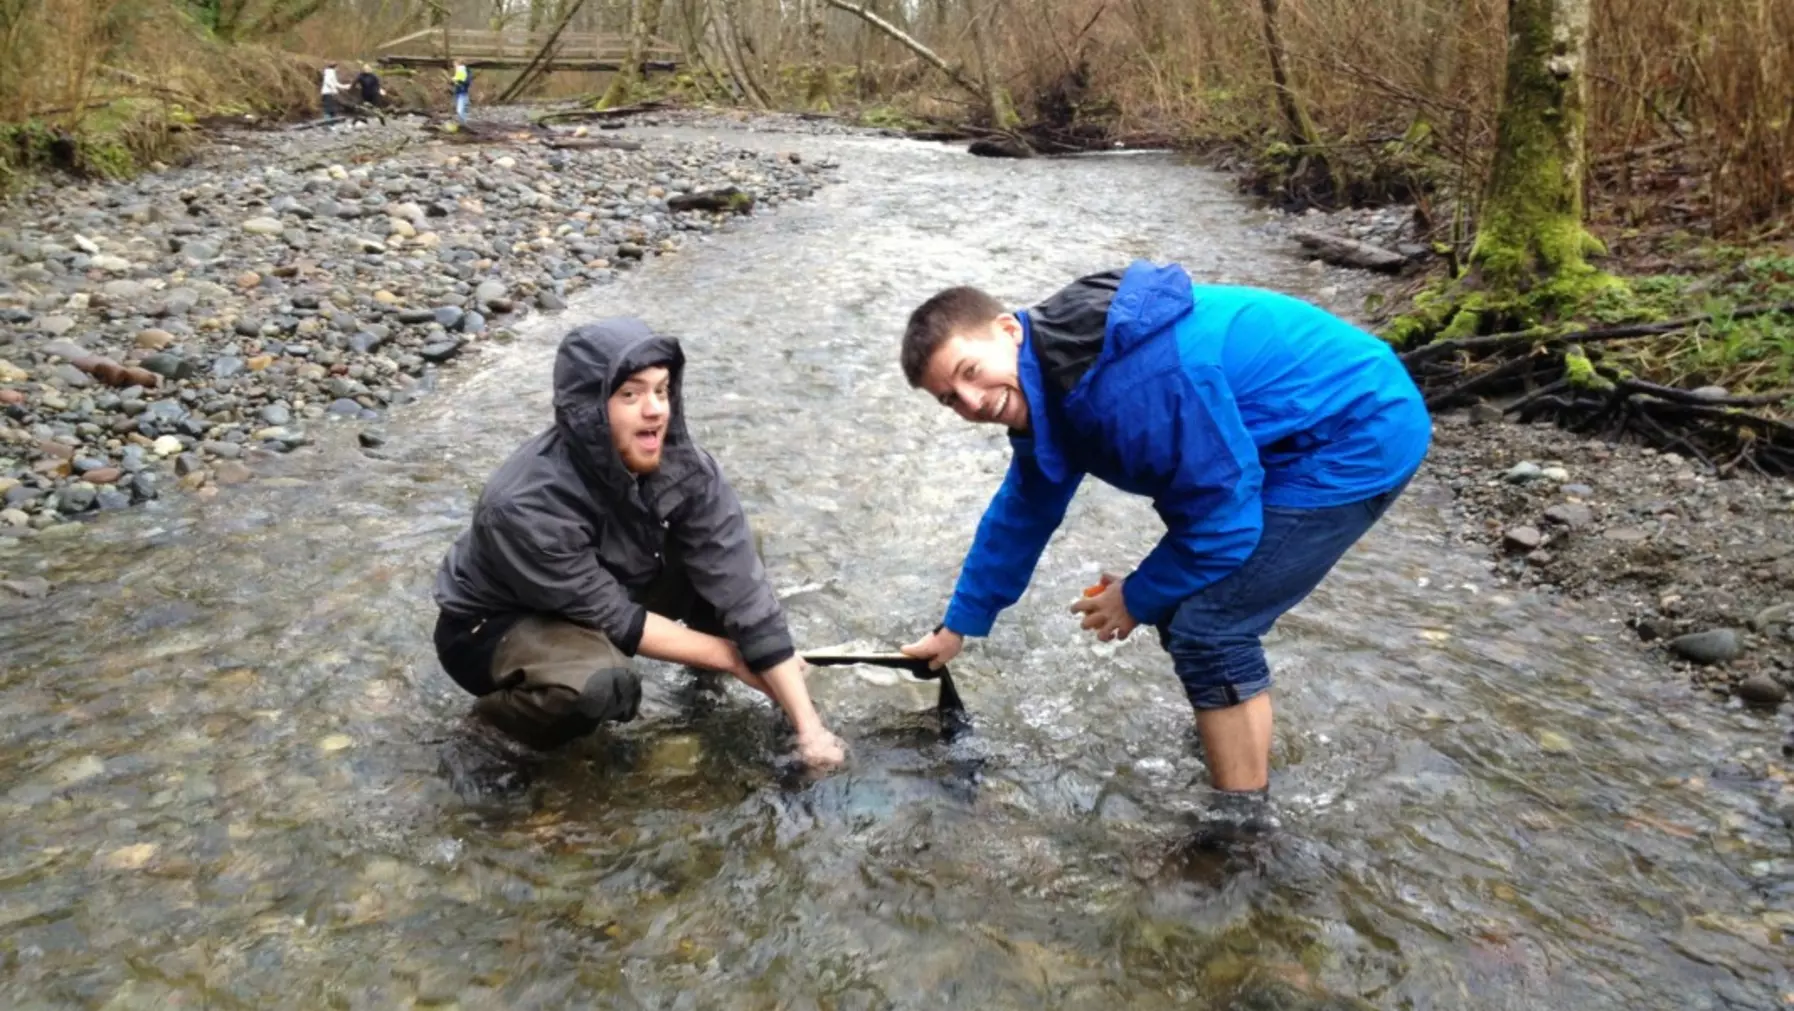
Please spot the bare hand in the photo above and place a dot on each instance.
(1106, 612)
(821, 749)
(938, 648)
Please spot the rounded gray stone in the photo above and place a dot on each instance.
(1715, 645)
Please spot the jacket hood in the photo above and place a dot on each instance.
(593, 361)
(1102, 315)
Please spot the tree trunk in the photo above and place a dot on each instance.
(1530, 228)
(1298, 129)
(954, 74)
(820, 89)
(990, 87)
(541, 63)
(644, 21)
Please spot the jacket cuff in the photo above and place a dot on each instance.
(967, 620)
(631, 639)
(763, 655)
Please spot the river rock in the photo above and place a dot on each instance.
(548, 301)
(201, 250)
(226, 367)
(1771, 616)
(170, 366)
(1522, 538)
(276, 415)
(77, 497)
(1522, 472)
(488, 291)
(449, 316)
(31, 587)
(1574, 515)
(166, 445)
(56, 326)
(263, 226)
(343, 407)
(231, 472)
(1717, 645)
(1762, 690)
(439, 351)
(110, 264)
(102, 475)
(154, 340)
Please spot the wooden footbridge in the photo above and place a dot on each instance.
(445, 47)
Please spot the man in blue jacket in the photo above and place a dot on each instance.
(1269, 434)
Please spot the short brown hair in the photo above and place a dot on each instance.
(955, 310)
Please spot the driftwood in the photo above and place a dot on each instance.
(576, 115)
(1000, 147)
(1522, 338)
(1338, 249)
(1721, 430)
(726, 199)
(590, 143)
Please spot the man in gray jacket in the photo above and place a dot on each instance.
(593, 541)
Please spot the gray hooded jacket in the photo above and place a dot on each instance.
(564, 528)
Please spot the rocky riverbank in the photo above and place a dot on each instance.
(1696, 569)
(176, 328)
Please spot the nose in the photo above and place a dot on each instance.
(655, 405)
(966, 399)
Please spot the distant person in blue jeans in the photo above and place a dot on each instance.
(1269, 434)
(463, 80)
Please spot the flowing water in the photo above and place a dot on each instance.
(236, 778)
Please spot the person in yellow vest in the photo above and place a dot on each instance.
(463, 84)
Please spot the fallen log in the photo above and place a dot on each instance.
(1540, 335)
(1337, 249)
(621, 111)
(1001, 147)
(590, 143)
(726, 199)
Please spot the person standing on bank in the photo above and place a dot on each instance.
(330, 89)
(1269, 434)
(463, 82)
(593, 541)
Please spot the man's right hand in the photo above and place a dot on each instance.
(821, 750)
(938, 648)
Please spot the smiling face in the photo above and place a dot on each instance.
(640, 411)
(974, 373)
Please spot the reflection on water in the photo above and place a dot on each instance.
(236, 777)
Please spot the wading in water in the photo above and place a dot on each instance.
(593, 542)
(1269, 434)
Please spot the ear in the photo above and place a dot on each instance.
(1011, 326)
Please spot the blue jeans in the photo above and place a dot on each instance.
(1213, 637)
(461, 106)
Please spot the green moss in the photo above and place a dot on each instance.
(1581, 372)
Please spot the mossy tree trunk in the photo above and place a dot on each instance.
(1530, 230)
(819, 88)
(996, 100)
(644, 21)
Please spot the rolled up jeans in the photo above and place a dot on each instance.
(1214, 635)
(545, 681)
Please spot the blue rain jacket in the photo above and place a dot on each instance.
(1214, 401)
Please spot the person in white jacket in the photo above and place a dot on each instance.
(332, 87)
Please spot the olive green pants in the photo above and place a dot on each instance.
(554, 681)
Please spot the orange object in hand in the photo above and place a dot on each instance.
(1094, 591)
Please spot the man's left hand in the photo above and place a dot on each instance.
(1106, 613)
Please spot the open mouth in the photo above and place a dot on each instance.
(648, 440)
(1001, 410)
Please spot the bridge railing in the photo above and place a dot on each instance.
(479, 47)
